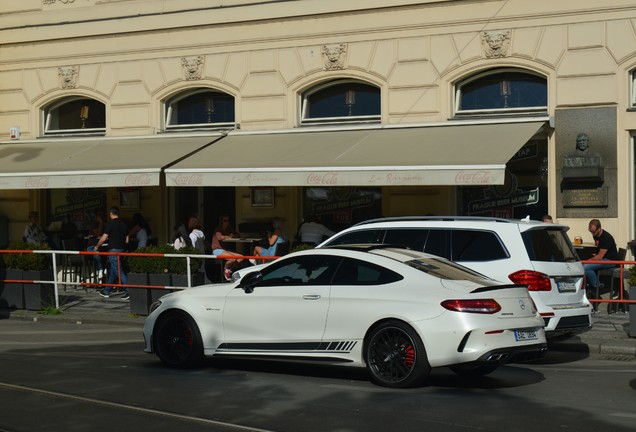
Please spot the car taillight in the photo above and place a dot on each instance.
(483, 306)
(534, 280)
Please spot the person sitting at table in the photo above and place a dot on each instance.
(605, 250)
(224, 231)
(313, 232)
(141, 231)
(274, 238)
(33, 233)
(181, 238)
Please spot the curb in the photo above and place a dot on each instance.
(598, 348)
(89, 318)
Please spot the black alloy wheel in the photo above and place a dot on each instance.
(177, 341)
(395, 356)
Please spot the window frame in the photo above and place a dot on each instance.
(497, 111)
(304, 104)
(53, 108)
(168, 107)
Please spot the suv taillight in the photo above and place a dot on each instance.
(536, 281)
(482, 306)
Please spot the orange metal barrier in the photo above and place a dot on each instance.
(621, 286)
(56, 282)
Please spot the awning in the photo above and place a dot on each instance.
(92, 162)
(448, 154)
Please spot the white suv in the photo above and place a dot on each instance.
(536, 254)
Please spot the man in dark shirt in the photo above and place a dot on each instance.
(605, 250)
(115, 233)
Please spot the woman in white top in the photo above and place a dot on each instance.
(181, 237)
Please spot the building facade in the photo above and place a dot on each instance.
(348, 110)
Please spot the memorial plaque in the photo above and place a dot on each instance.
(585, 197)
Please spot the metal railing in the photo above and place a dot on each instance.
(620, 291)
(58, 267)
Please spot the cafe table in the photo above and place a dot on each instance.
(585, 250)
(244, 245)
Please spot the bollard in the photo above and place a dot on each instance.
(632, 312)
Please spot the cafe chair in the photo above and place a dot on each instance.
(282, 249)
(613, 273)
(73, 266)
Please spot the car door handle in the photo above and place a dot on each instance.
(311, 296)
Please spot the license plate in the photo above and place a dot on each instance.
(566, 286)
(525, 335)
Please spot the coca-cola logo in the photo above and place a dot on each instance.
(188, 180)
(138, 180)
(330, 178)
(37, 182)
(473, 177)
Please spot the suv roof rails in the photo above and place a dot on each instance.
(435, 218)
(366, 247)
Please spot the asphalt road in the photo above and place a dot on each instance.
(67, 377)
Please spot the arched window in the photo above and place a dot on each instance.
(201, 108)
(633, 89)
(75, 115)
(342, 100)
(502, 91)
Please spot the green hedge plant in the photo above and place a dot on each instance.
(27, 261)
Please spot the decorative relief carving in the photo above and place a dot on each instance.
(192, 67)
(50, 2)
(68, 76)
(495, 43)
(334, 56)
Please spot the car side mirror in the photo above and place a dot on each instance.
(250, 280)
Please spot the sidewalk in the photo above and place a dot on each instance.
(609, 333)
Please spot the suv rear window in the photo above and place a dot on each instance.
(370, 236)
(550, 245)
(474, 245)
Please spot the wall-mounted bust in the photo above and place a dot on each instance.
(582, 155)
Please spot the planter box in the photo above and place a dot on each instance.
(159, 279)
(12, 293)
(38, 296)
(197, 278)
(139, 297)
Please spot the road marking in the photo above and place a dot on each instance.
(133, 408)
(628, 415)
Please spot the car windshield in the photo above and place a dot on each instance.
(445, 270)
(549, 245)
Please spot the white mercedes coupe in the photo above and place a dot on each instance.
(395, 311)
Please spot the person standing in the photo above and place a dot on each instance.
(605, 250)
(548, 219)
(95, 233)
(115, 233)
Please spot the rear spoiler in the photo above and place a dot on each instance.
(498, 287)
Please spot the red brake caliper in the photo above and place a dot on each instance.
(409, 356)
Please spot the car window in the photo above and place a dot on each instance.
(446, 270)
(438, 243)
(356, 272)
(476, 245)
(303, 270)
(370, 236)
(410, 238)
(550, 245)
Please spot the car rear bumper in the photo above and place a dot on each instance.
(514, 354)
